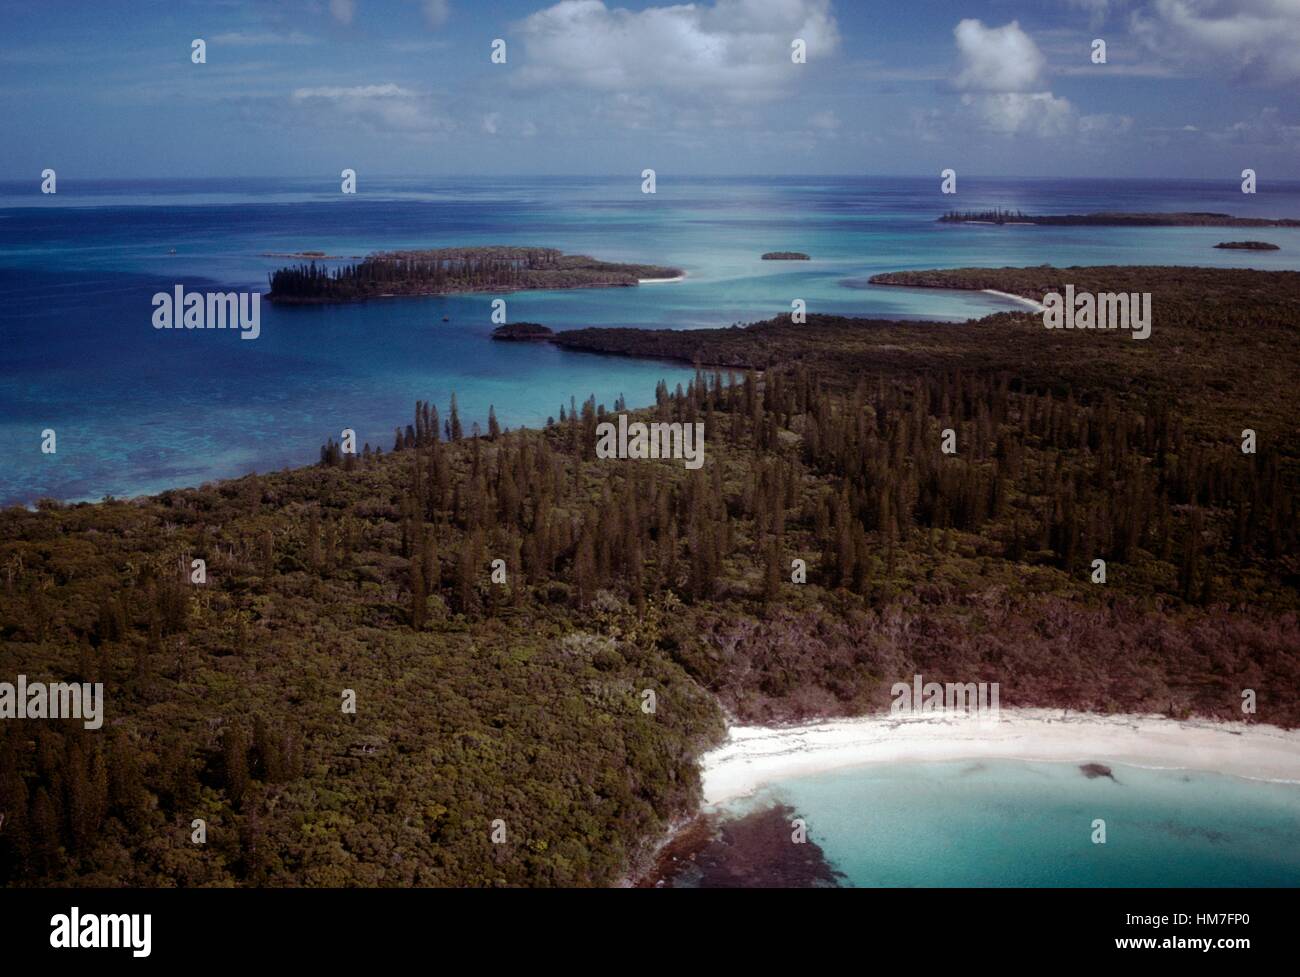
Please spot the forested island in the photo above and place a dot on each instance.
(443, 271)
(785, 256)
(522, 701)
(528, 332)
(1115, 219)
(1248, 246)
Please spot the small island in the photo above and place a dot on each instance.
(523, 332)
(306, 255)
(444, 271)
(1114, 219)
(1248, 246)
(785, 256)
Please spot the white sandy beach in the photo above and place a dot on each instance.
(754, 755)
(659, 281)
(1036, 306)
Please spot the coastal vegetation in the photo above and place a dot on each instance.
(516, 692)
(522, 332)
(1248, 245)
(442, 271)
(1115, 219)
(785, 256)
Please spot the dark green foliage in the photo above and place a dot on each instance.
(445, 270)
(478, 700)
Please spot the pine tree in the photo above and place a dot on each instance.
(234, 756)
(419, 604)
(454, 431)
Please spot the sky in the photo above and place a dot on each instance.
(304, 88)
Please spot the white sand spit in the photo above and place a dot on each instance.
(1036, 306)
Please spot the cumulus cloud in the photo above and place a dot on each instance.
(1000, 73)
(736, 49)
(1015, 113)
(1257, 41)
(997, 59)
(1265, 129)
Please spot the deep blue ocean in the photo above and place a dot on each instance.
(137, 410)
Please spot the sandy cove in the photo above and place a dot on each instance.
(754, 755)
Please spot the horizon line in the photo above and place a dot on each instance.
(686, 176)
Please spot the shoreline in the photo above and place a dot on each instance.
(753, 756)
(660, 281)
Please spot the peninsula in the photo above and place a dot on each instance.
(1247, 246)
(1115, 219)
(527, 332)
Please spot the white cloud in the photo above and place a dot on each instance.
(735, 49)
(491, 122)
(997, 59)
(249, 39)
(1021, 113)
(342, 10)
(1001, 76)
(1257, 41)
(1105, 124)
(1265, 129)
(356, 91)
(436, 12)
(826, 120)
(379, 108)
(1098, 10)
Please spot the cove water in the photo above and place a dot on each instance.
(1012, 823)
(138, 410)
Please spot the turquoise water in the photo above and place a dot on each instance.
(138, 409)
(1008, 823)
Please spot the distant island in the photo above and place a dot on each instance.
(1248, 246)
(442, 271)
(522, 332)
(306, 255)
(1114, 219)
(785, 256)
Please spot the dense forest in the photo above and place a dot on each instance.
(442, 271)
(517, 692)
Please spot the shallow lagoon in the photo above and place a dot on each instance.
(1013, 823)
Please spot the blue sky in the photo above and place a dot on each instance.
(1191, 88)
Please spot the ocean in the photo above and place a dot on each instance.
(138, 410)
(1012, 823)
